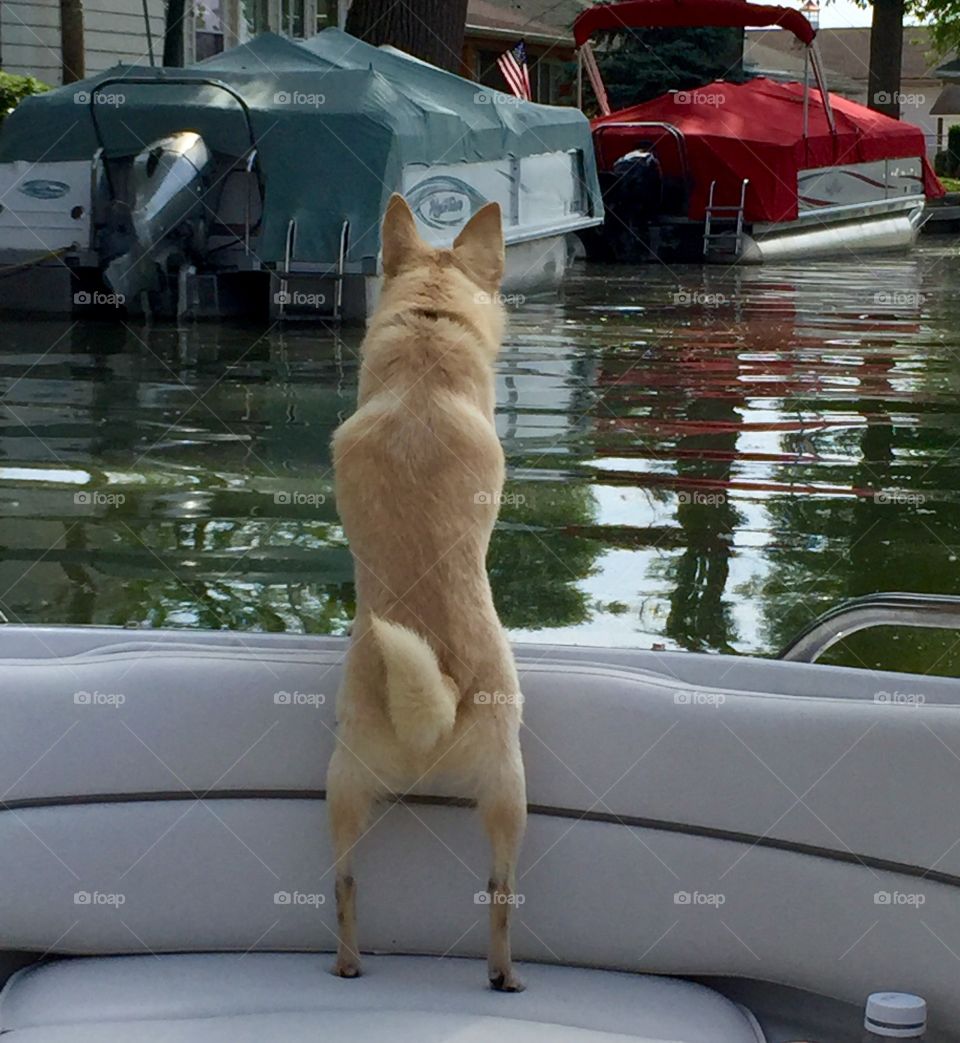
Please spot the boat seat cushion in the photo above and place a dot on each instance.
(234, 998)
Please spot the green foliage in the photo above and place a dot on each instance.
(943, 17)
(640, 64)
(13, 89)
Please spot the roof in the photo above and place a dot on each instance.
(846, 52)
(949, 70)
(948, 101)
(763, 58)
(553, 16)
(755, 130)
(489, 18)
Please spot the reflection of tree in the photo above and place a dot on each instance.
(699, 615)
(538, 555)
(694, 421)
(828, 550)
(198, 539)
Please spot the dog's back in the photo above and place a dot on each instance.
(419, 467)
(419, 473)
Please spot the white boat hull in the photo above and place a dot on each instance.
(840, 232)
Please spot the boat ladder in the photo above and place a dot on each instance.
(713, 238)
(313, 276)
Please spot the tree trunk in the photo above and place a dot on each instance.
(173, 33)
(886, 57)
(72, 55)
(432, 30)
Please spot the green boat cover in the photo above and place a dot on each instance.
(334, 121)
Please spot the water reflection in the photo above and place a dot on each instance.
(701, 460)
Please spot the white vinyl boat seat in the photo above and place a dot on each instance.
(162, 797)
(292, 998)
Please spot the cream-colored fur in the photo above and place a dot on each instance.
(430, 689)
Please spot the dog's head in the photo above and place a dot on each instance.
(464, 278)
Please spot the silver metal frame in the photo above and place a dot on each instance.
(930, 611)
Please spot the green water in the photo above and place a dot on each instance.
(702, 460)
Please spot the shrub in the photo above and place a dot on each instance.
(13, 89)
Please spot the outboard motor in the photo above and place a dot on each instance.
(632, 196)
(163, 217)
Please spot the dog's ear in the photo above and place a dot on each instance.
(399, 238)
(479, 247)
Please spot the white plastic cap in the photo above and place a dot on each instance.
(895, 1015)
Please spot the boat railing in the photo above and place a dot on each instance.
(675, 133)
(929, 611)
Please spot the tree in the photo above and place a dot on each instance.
(173, 33)
(639, 64)
(432, 30)
(886, 57)
(72, 51)
(886, 43)
(944, 19)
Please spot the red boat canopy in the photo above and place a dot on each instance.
(633, 14)
(754, 130)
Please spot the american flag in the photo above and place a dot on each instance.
(513, 65)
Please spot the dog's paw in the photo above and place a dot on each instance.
(347, 969)
(508, 982)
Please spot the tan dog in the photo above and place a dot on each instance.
(430, 688)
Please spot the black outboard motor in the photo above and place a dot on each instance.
(632, 196)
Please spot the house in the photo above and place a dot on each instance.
(114, 31)
(846, 60)
(493, 28)
(947, 106)
(117, 31)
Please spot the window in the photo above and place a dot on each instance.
(208, 28)
(292, 19)
(256, 16)
(328, 14)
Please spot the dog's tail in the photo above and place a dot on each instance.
(421, 699)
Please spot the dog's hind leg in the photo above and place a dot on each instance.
(502, 802)
(351, 792)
